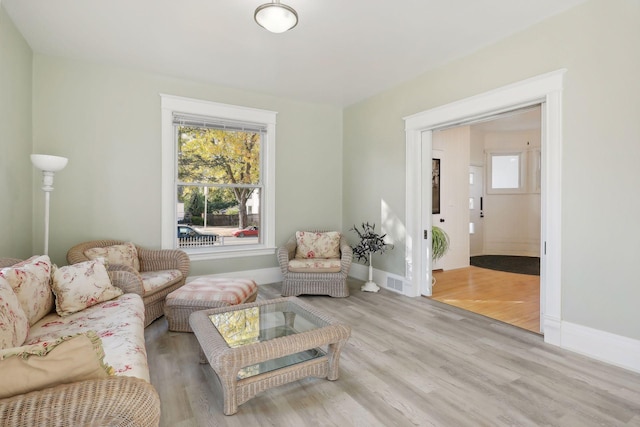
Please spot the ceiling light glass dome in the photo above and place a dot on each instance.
(276, 17)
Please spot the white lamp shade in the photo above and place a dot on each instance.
(276, 17)
(49, 163)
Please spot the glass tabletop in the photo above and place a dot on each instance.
(265, 322)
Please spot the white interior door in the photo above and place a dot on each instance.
(426, 209)
(476, 204)
(453, 146)
(438, 208)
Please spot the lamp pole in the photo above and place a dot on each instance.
(49, 166)
(47, 187)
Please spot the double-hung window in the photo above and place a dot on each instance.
(218, 178)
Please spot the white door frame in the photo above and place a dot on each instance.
(545, 89)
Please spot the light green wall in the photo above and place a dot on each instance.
(598, 42)
(107, 121)
(16, 172)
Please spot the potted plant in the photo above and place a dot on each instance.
(370, 243)
(439, 246)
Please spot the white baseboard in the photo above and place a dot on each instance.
(600, 345)
(361, 272)
(261, 276)
(552, 329)
(596, 344)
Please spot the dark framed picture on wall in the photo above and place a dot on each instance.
(435, 186)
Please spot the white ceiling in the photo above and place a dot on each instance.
(341, 52)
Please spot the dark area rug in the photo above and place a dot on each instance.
(512, 264)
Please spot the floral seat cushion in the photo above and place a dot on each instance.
(155, 280)
(315, 265)
(118, 322)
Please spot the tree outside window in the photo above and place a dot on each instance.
(224, 165)
(218, 171)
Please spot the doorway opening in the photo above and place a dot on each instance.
(546, 90)
(490, 206)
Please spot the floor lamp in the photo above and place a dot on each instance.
(49, 165)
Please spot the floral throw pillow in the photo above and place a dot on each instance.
(125, 254)
(14, 324)
(30, 281)
(312, 244)
(82, 285)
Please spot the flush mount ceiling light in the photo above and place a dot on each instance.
(276, 17)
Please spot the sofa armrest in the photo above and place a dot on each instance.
(291, 246)
(8, 262)
(346, 256)
(113, 401)
(126, 278)
(164, 259)
(286, 253)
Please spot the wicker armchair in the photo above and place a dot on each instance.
(151, 260)
(314, 283)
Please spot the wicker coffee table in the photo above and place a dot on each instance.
(253, 347)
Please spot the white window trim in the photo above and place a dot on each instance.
(170, 104)
(522, 179)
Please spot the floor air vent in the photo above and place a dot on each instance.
(394, 284)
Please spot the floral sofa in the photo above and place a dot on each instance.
(72, 349)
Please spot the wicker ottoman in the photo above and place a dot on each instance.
(203, 293)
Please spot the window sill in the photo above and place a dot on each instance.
(204, 254)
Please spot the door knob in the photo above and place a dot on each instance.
(441, 219)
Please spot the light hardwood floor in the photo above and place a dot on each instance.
(409, 362)
(509, 297)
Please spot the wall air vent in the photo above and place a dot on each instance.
(395, 284)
